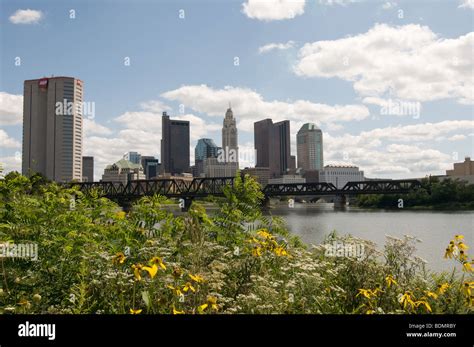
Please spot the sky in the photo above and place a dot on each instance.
(390, 83)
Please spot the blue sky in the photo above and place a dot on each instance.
(337, 63)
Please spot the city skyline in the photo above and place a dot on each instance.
(368, 116)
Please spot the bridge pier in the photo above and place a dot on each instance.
(186, 204)
(340, 201)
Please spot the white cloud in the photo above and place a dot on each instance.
(396, 152)
(7, 141)
(11, 109)
(26, 17)
(269, 10)
(337, 2)
(93, 128)
(272, 46)
(467, 4)
(409, 62)
(389, 5)
(249, 106)
(11, 163)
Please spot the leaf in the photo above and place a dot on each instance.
(146, 298)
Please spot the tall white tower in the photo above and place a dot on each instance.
(229, 135)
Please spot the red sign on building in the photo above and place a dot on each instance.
(43, 83)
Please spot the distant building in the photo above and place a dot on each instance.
(52, 128)
(205, 148)
(230, 136)
(151, 166)
(123, 171)
(309, 142)
(174, 145)
(272, 145)
(465, 168)
(87, 169)
(133, 157)
(339, 175)
(286, 179)
(463, 171)
(311, 176)
(215, 168)
(261, 174)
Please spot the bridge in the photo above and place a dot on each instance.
(203, 187)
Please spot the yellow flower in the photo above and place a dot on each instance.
(459, 237)
(368, 293)
(136, 271)
(119, 258)
(390, 280)
(176, 290)
(196, 278)
(264, 234)
(443, 287)
(257, 252)
(175, 311)
(132, 311)
(406, 300)
(158, 261)
(467, 288)
(448, 253)
(151, 270)
(280, 251)
(462, 256)
(188, 286)
(370, 312)
(463, 246)
(431, 295)
(425, 303)
(211, 302)
(467, 266)
(120, 215)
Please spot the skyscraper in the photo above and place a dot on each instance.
(272, 145)
(309, 141)
(133, 157)
(88, 169)
(52, 128)
(174, 145)
(230, 136)
(205, 148)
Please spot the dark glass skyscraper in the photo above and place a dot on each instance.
(174, 145)
(205, 148)
(272, 145)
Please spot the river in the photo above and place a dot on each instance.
(312, 222)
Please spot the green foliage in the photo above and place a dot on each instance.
(445, 194)
(95, 258)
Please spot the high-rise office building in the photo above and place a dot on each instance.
(309, 142)
(52, 128)
(133, 157)
(151, 166)
(230, 136)
(205, 148)
(87, 169)
(174, 145)
(272, 145)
